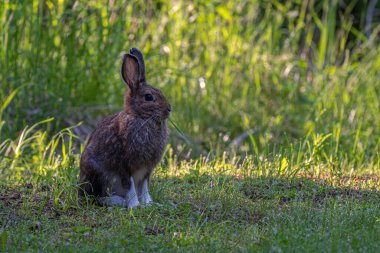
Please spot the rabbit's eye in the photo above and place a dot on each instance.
(148, 97)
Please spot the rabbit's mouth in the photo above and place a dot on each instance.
(163, 115)
(167, 112)
(166, 115)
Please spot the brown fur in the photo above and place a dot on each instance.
(127, 142)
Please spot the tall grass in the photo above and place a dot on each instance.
(298, 74)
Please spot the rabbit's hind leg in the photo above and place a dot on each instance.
(141, 178)
(113, 191)
(114, 200)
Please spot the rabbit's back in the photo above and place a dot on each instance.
(100, 156)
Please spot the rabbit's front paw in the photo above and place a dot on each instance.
(131, 196)
(145, 197)
(134, 202)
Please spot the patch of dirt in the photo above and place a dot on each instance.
(345, 193)
(11, 199)
(305, 189)
(154, 231)
(352, 181)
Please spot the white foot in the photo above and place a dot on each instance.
(145, 197)
(131, 196)
(112, 201)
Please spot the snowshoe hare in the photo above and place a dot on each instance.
(124, 149)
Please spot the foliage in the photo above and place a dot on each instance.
(291, 68)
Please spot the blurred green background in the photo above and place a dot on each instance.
(248, 76)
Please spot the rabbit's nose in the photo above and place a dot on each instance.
(169, 108)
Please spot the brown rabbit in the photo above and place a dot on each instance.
(125, 148)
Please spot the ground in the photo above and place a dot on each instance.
(197, 209)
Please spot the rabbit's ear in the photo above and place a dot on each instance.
(134, 51)
(130, 71)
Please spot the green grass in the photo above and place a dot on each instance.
(200, 206)
(267, 203)
(274, 143)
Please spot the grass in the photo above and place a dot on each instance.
(274, 143)
(263, 204)
(200, 206)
